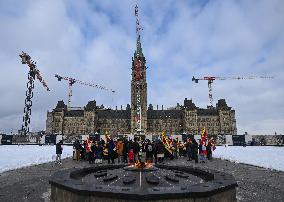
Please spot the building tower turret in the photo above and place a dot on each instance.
(138, 86)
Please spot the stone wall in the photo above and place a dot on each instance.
(186, 119)
(69, 185)
(62, 195)
(49, 121)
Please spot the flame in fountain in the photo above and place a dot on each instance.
(139, 164)
(148, 164)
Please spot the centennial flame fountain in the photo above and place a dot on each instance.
(142, 182)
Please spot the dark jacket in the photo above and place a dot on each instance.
(136, 147)
(208, 147)
(160, 148)
(195, 147)
(77, 145)
(149, 150)
(200, 148)
(92, 149)
(98, 151)
(189, 146)
(110, 146)
(126, 147)
(59, 148)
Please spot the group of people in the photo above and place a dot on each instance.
(129, 151)
(125, 151)
(203, 149)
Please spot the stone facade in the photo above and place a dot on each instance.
(142, 85)
(186, 118)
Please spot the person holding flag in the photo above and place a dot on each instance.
(160, 151)
(203, 144)
(111, 150)
(88, 148)
(210, 145)
(166, 144)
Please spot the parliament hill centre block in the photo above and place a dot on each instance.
(182, 119)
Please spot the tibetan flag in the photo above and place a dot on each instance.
(204, 134)
(164, 140)
(166, 143)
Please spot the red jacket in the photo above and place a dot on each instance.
(131, 155)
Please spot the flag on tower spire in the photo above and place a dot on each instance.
(138, 29)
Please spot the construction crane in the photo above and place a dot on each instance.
(210, 80)
(33, 74)
(72, 81)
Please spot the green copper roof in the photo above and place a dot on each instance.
(138, 47)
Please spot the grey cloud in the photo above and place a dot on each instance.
(95, 43)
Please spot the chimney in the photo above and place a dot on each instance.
(157, 107)
(115, 107)
(162, 107)
(121, 107)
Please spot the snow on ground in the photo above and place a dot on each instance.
(14, 156)
(263, 156)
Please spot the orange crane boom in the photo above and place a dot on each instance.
(72, 81)
(210, 80)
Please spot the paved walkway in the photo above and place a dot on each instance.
(31, 183)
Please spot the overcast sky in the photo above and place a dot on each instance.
(95, 40)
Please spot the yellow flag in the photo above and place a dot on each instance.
(166, 143)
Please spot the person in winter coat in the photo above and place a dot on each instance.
(131, 156)
(155, 151)
(136, 150)
(84, 150)
(77, 147)
(175, 149)
(200, 150)
(92, 153)
(160, 151)
(180, 148)
(209, 150)
(98, 153)
(111, 151)
(59, 149)
(189, 149)
(87, 149)
(195, 150)
(149, 151)
(119, 150)
(125, 150)
(74, 151)
(203, 152)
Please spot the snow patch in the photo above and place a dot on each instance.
(14, 156)
(265, 156)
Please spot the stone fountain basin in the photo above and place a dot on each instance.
(70, 185)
